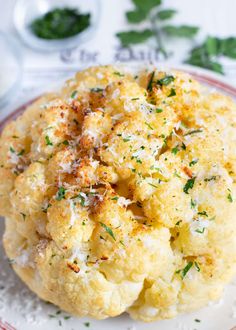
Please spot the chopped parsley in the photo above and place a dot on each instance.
(67, 317)
(194, 132)
(138, 160)
(87, 324)
(172, 92)
(197, 320)
(211, 178)
(48, 142)
(183, 146)
(60, 23)
(183, 272)
(118, 74)
(148, 125)
(60, 194)
(176, 174)
(45, 209)
(115, 198)
(97, 90)
(178, 223)
(165, 80)
(189, 185)
(204, 213)
(108, 230)
(21, 153)
(12, 150)
(193, 162)
(152, 185)
(149, 86)
(175, 150)
(127, 139)
(153, 168)
(81, 199)
(200, 231)
(66, 143)
(159, 110)
(193, 203)
(73, 94)
(197, 266)
(229, 197)
(23, 215)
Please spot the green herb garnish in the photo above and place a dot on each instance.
(67, 317)
(60, 194)
(73, 94)
(193, 162)
(178, 223)
(183, 146)
(21, 153)
(48, 141)
(189, 185)
(183, 272)
(81, 199)
(175, 150)
(149, 126)
(118, 74)
(108, 230)
(152, 185)
(212, 178)
(149, 86)
(172, 92)
(204, 213)
(23, 215)
(60, 23)
(208, 53)
(200, 231)
(127, 139)
(229, 197)
(158, 110)
(193, 132)
(165, 80)
(96, 90)
(193, 203)
(197, 266)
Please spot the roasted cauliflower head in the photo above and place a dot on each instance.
(119, 194)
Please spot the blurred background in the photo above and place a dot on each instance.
(37, 49)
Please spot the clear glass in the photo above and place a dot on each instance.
(26, 11)
(10, 68)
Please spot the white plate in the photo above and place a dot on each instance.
(22, 310)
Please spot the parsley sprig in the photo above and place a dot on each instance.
(208, 54)
(155, 17)
(158, 27)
